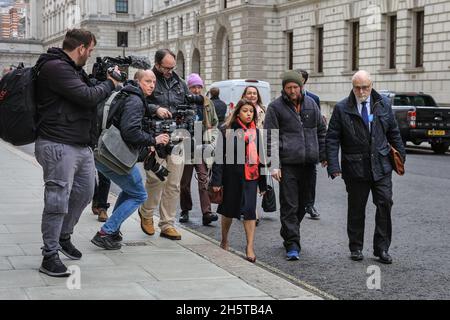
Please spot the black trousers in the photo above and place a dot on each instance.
(311, 190)
(294, 186)
(358, 194)
(101, 192)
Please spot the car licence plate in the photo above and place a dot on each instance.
(436, 132)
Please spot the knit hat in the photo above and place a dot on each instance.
(292, 76)
(194, 80)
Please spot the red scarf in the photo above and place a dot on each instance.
(251, 151)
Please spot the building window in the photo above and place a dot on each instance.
(167, 30)
(122, 39)
(225, 4)
(392, 40)
(419, 37)
(355, 45)
(290, 50)
(319, 49)
(181, 25)
(121, 6)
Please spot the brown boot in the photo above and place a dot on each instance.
(147, 225)
(171, 233)
(102, 215)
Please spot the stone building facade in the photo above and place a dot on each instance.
(403, 43)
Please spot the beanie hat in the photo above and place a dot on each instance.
(292, 76)
(194, 80)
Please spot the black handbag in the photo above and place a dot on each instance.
(269, 202)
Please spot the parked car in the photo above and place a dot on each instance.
(420, 119)
(231, 90)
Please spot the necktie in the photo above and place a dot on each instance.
(365, 114)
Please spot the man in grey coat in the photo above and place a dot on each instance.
(301, 145)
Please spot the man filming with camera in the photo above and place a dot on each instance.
(169, 93)
(131, 123)
(67, 102)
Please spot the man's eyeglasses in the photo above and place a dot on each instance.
(359, 88)
(166, 69)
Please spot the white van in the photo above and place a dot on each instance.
(232, 90)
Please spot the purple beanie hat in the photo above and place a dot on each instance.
(194, 80)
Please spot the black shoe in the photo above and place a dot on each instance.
(184, 216)
(356, 255)
(69, 250)
(117, 236)
(208, 218)
(106, 241)
(257, 222)
(312, 212)
(53, 267)
(384, 257)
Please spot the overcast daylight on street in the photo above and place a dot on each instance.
(97, 202)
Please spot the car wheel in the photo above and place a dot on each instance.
(440, 148)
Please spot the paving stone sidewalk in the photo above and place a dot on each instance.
(145, 268)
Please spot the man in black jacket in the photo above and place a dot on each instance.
(130, 122)
(221, 107)
(169, 93)
(301, 146)
(363, 126)
(67, 103)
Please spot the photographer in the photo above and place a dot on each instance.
(67, 102)
(170, 92)
(206, 113)
(130, 123)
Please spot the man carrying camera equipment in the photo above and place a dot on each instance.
(67, 102)
(206, 113)
(169, 93)
(130, 122)
(100, 71)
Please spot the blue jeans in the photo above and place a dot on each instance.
(132, 196)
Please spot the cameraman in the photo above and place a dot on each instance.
(206, 113)
(67, 102)
(130, 122)
(170, 92)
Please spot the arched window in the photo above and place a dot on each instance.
(196, 62)
(223, 55)
(181, 65)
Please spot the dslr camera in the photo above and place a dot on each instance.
(158, 169)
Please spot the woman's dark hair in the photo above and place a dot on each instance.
(77, 37)
(161, 54)
(259, 102)
(233, 116)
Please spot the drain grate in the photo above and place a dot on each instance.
(136, 244)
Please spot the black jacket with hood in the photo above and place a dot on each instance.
(67, 100)
(301, 135)
(130, 119)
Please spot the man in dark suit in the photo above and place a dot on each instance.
(311, 191)
(364, 126)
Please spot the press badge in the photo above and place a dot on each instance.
(370, 117)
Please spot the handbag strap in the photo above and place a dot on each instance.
(106, 109)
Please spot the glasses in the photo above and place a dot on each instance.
(166, 69)
(364, 88)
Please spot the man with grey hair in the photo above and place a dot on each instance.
(130, 122)
(363, 126)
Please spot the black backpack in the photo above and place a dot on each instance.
(18, 106)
